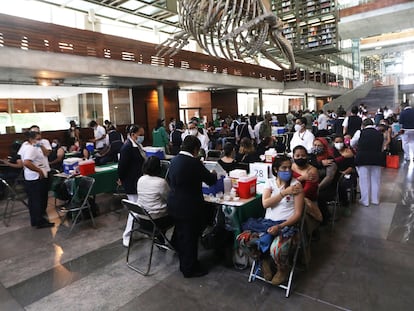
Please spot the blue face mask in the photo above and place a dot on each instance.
(285, 175)
(140, 139)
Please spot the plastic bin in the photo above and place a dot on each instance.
(247, 187)
(87, 167)
(155, 151)
(214, 189)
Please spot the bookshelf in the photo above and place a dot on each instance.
(310, 25)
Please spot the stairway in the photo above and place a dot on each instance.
(378, 97)
(348, 99)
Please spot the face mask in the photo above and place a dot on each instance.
(339, 146)
(317, 150)
(301, 162)
(347, 141)
(285, 175)
(298, 127)
(54, 145)
(193, 132)
(140, 139)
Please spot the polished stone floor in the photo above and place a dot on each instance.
(365, 264)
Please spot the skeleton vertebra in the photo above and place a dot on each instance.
(234, 29)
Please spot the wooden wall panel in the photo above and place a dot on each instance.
(225, 102)
(200, 100)
(146, 108)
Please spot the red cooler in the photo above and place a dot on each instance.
(87, 167)
(247, 187)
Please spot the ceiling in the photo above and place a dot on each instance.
(160, 15)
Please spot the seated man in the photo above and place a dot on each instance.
(283, 199)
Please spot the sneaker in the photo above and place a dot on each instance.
(267, 269)
(280, 276)
(125, 242)
(363, 204)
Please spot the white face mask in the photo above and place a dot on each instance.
(193, 132)
(54, 145)
(339, 146)
(298, 127)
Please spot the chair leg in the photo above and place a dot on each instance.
(135, 268)
(7, 217)
(252, 274)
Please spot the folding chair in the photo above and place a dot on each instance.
(165, 166)
(302, 244)
(140, 214)
(335, 204)
(80, 190)
(15, 193)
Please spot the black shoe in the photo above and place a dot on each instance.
(45, 225)
(196, 274)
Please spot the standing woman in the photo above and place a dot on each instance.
(36, 169)
(175, 138)
(368, 160)
(186, 204)
(159, 135)
(132, 156)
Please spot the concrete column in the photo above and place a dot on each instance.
(261, 102)
(160, 93)
(306, 103)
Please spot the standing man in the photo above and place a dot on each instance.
(322, 121)
(352, 123)
(186, 204)
(244, 130)
(265, 127)
(302, 135)
(131, 158)
(36, 169)
(193, 130)
(407, 128)
(368, 160)
(99, 134)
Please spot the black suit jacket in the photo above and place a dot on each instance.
(130, 167)
(185, 177)
(369, 151)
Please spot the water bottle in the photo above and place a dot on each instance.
(227, 184)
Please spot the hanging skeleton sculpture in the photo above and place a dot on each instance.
(234, 29)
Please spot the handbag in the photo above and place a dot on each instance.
(392, 161)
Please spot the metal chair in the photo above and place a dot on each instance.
(165, 166)
(14, 193)
(80, 189)
(255, 271)
(140, 214)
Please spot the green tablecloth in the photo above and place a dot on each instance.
(253, 209)
(105, 179)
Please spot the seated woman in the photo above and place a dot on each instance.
(264, 145)
(308, 177)
(56, 156)
(227, 162)
(322, 159)
(152, 193)
(283, 199)
(247, 152)
(345, 160)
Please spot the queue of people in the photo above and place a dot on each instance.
(309, 176)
